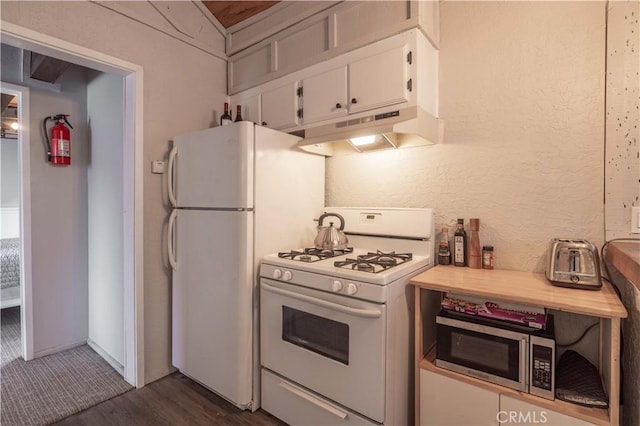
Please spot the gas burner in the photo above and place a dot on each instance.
(313, 254)
(375, 262)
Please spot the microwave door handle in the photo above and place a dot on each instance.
(524, 364)
(365, 313)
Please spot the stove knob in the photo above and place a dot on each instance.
(287, 276)
(277, 273)
(351, 288)
(336, 286)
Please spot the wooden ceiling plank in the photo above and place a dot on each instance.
(229, 13)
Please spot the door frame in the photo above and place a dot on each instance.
(26, 314)
(28, 39)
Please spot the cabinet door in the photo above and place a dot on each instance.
(379, 80)
(514, 411)
(280, 107)
(325, 96)
(445, 401)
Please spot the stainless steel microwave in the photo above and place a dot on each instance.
(516, 357)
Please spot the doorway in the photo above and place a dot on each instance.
(131, 171)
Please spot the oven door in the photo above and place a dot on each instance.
(488, 353)
(331, 344)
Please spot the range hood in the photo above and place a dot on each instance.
(401, 128)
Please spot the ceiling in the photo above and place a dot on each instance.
(229, 13)
(8, 116)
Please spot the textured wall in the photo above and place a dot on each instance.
(622, 173)
(522, 96)
(622, 168)
(183, 88)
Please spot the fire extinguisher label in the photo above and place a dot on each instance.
(63, 148)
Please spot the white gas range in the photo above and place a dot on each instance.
(336, 336)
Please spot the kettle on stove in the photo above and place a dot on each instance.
(330, 237)
(573, 263)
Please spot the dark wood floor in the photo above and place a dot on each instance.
(172, 400)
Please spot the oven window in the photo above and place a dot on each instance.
(320, 335)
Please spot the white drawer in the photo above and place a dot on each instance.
(296, 405)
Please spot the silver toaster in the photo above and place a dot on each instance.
(574, 263)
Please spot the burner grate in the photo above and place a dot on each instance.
(312, 254)
(374, 262)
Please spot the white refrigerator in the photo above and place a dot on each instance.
(239, 192)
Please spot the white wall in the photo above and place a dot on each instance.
(105, 100)
(522, 95)
(59, 221)
(9, 189)
(184, 90)
(58, 213)
(10, 173)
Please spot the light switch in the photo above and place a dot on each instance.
(157, 166)
(635, 220)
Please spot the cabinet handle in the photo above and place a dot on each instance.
(338, 105)
(354, 101)
(264, 123)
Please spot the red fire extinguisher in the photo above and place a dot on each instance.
(59, 147)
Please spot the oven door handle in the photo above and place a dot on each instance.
(312, 399)
(365, 313)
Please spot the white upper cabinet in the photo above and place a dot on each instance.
(279, 107)
(292, 36)
(381, 77)
(325, 95)
(379, 80)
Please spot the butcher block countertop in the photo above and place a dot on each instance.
(625, 257)
(521, 287)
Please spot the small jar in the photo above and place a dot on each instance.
(487, 257)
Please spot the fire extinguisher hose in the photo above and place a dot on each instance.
(46, 136)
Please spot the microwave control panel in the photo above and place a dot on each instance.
(542, 367)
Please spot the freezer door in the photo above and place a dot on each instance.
(212, 301)
(213, 168)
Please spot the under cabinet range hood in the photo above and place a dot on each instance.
(401, 128)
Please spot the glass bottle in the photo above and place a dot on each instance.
(444, 252)
(238, 114)
(226, 117)
(460, 245)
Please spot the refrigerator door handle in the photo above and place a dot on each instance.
(172, 159)
(170, 242)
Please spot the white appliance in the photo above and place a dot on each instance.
(336, 327)
(239, 192)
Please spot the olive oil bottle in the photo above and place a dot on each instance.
(460, 251)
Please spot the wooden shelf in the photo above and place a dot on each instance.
(528, 289)
(522, 287)
(598, 416)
